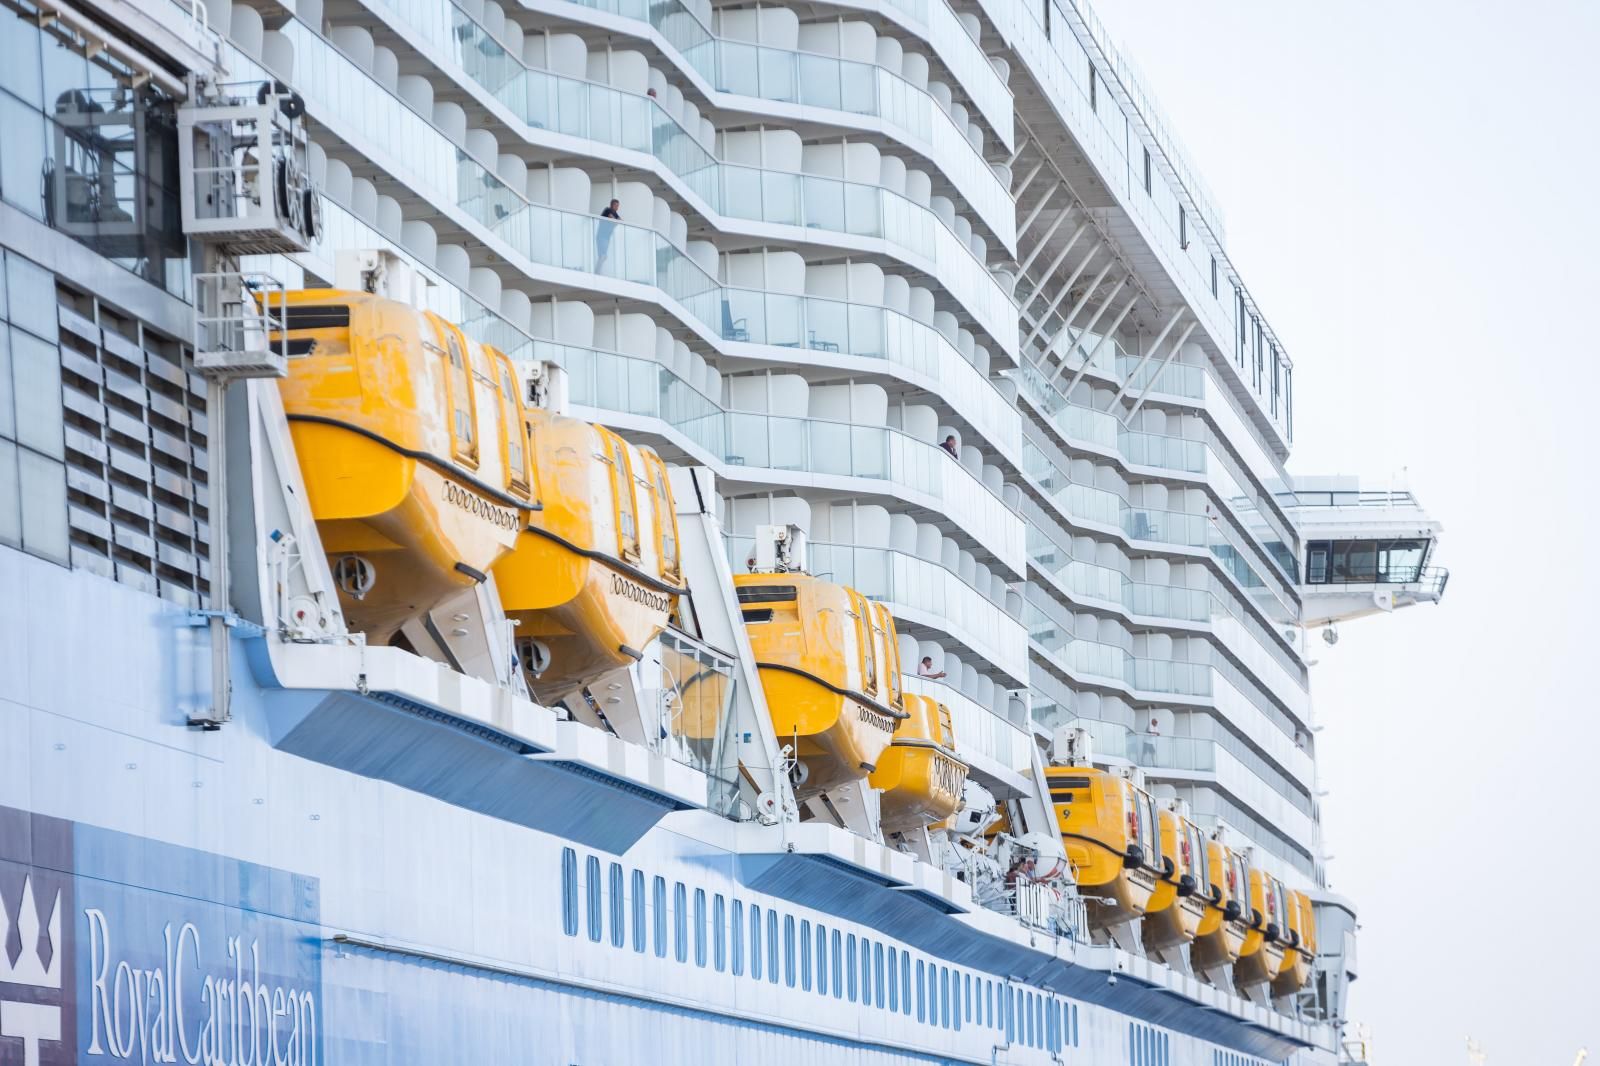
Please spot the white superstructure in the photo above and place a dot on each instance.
(928, 281)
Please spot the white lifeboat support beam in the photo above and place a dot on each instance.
(1072, 341)
(1105, 338)
(716, 608)
(1066, 288)
(1155, 346)
(1177, 346)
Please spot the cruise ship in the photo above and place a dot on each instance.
(606, 531)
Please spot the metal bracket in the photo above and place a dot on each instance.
(197, 618)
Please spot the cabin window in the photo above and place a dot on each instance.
(700, 927)
(680, 922)
(515, 435)
(666, 517)
(755, 942)
(463, 424)
(622, 488)
(719, 933)
(772, 945)
(788, 950)
(658, 892)
(619, 932)
(596, 919)
(569, 891)
(638, 912)
(736, 939)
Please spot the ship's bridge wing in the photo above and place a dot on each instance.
(1364, 551)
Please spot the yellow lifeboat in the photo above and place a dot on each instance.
(401, 426)
(1177, 906)
(1108, 828)
(1301, 947)
(830, 667)
(596, 574)
(1261, 954)
(920, 774)
(1223, 927)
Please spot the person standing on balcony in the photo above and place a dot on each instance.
(1147, 748)
(925, 669)
(602, 234)
(952, 447)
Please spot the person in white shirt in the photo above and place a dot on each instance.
(925, 669)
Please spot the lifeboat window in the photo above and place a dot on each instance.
(891, 654)
(765, 593)
(622, 488)
(515, 432)
(869, 646)
(462, 401)
(316, 316)
(666, 515)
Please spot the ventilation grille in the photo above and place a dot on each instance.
(137, 487)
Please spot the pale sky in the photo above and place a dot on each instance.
(1411, 191)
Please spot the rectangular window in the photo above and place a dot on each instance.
(1183, 228)
(719, 933)
(805, 956)
(638, 911)
(1148, 183)
(894, 983)
(1288, 400)
(659, 898)
(850, 965)
(515, 454)
(624, 499)
(596, 918)
(788, 950)
(877, 975)
(755, 942)
(463, 401)
(619, 908)
(944, 996)
(1094, 88)
(772, 946)
(905, 983)
(838, 967)
(736, 940)
(1213, 275)
(666, 516)
(822, 961)
(922, 992)
(967, 997)
(569, 891)
(700, 927)
(680, 921)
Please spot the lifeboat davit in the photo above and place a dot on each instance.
(1223, 927)
(401, 427)
(1301, 948)
(1262, 954)
(1177, 905)
(596, 573)
(830, 668)
(1108, 828)
(920, 774)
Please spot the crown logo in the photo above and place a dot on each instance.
(30, 967)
